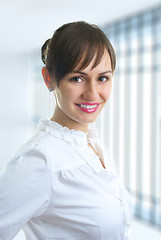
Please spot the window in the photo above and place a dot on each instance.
(131, 125)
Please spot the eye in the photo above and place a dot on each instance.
(76, 79)
(103, 78)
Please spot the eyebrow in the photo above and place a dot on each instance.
(83, 73)
(105, 72)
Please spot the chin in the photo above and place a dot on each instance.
(87, 121)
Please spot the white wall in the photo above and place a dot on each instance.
(14, 103)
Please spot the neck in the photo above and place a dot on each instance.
(65, 121)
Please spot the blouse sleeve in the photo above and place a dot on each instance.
(25, 188)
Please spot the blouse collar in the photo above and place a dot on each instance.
(73, 136)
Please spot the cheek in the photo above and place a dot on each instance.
(66, 96)
(106, 91)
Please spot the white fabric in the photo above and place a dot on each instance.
(55, 187)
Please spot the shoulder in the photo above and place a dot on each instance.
(32, 152)
(47, 151)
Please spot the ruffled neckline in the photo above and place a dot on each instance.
(69, 135)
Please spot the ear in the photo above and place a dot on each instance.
(47, 79)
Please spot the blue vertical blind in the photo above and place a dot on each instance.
(130, 125)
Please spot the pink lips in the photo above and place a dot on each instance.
(88, 107)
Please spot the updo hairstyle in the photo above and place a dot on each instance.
(73, 43)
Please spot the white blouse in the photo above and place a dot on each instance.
(55, 187)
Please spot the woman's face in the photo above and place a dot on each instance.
(82, 94)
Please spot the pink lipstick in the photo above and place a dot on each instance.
(88, 107)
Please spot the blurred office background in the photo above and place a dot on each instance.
(130, 126)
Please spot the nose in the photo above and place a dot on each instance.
(90, 92)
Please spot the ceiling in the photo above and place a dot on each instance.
(26, 24)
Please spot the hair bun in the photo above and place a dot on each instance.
(44, 51)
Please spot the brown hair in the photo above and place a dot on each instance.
(72, 43)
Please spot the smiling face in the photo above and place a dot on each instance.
(82, 94)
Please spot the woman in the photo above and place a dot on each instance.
(58, 185)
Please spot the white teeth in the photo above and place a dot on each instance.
(88, 106)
